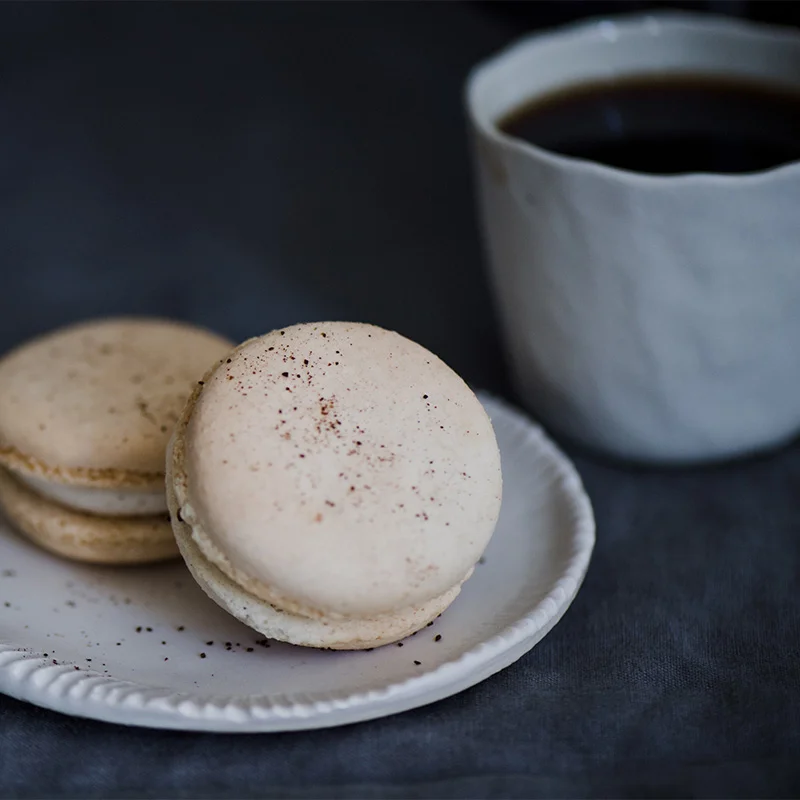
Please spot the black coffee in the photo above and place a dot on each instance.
(666, 124)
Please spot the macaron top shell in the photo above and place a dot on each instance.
(96, 403)
(340, 465)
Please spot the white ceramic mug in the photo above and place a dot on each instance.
(650, 317)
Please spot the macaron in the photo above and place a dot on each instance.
(86, 413)
(333, 485)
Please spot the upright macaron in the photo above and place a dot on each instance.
(333, 484)
(85, 416)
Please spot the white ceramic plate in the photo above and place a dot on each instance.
(145, 646)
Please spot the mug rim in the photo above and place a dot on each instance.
(631, 23)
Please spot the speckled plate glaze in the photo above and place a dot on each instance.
(145, 646)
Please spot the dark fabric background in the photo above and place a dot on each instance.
(248, 166)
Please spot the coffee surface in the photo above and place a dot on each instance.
(666, 124)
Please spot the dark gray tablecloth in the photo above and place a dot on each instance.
(251, 166)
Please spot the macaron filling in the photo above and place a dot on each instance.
(117, 502)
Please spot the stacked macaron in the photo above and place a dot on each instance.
(85, 416)
(333, 484)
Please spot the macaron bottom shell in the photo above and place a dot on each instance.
(274, 623)
(82, 536)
